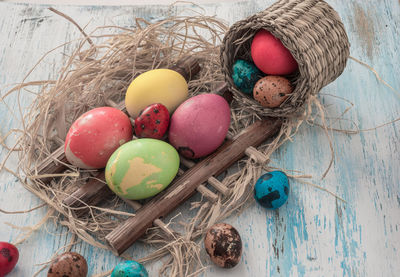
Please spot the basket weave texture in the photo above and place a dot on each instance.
(311, 30)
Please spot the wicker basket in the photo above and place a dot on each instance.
(313, 33)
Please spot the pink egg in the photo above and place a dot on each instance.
(199, 125)
(271, 56)
(95, 135)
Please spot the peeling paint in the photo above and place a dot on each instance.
(138, 171)
(364, 173)
(111, 172)
(364, 27)
(156, 186)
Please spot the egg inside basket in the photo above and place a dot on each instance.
(310, 29)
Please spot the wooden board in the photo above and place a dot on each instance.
(313, 234)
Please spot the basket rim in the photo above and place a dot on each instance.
(248, 27)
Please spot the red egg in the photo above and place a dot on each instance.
(152, 122)
(95, 135)
(199, 125)
(8, 257)
(271, 56)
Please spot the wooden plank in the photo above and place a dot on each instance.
(92, 193)
(55, 163)
(96, 190)
(312, 235)
(182, 188)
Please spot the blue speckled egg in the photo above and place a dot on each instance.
(272, 190)
(245, 75)
(129, 269)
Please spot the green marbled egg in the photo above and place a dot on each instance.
(141, 168)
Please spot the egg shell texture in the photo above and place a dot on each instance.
(95, 135)
(9, 256)
(142, 168)
(152, 122)
(129, 269)
(164, 86)
(272, 190)
(271, 56)
(272, 91)
(68, 264)
(245, 75)
(199, 125)
(224, 245)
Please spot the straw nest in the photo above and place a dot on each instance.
(98, 72)
(102, 66)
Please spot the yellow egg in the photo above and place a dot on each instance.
(163, 86)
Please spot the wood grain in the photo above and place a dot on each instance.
(313, 234)
(96, 190)
(365, 28)
(92, 193)
(182, 188)
(55, 163)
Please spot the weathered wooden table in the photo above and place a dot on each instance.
(313, 234)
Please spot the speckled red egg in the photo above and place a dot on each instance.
(8, 257)
(224, 245)
(270, 55)
(199, 125)
(271, 91)
(68, 264)
(95, 135)
(152, 122)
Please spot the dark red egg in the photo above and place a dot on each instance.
(152, 122)
(8, 257)
(200, 125)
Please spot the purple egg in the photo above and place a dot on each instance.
(199, 125)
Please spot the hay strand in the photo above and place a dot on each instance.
(99, 74)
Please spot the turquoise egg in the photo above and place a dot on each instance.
(272, 190)
(245, 75)
(129, 269)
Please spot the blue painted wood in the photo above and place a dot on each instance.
(313, 234)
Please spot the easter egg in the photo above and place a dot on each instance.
(245, 75)
(270, 55)
(272, 189)
(141, 168)
(95, 135)
(164, 86)
(199, 125)
(68, 264)
(271, 91)
(129, 269)
(224, 245)
(152, 122)
(8, 257)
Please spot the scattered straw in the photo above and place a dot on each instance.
(28, 230)
(73, 22)
(23, 212)
(99, 72)
(94, 74)
(378, 77)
